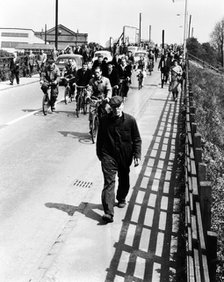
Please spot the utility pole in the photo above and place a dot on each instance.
(140, 27)
(163, 33)
(45, 34)
(150, 30)
(189, 29)
(56, 25)
(185, 29)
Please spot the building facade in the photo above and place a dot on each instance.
(10, 38)
(65, 37)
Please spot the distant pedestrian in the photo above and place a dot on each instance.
(14, 67)
(125, 72)
(42, 61)
(31, 63)
(118, 144)
(113, 76)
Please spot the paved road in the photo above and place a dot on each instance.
(50, 214)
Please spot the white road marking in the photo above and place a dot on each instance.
(27, 115)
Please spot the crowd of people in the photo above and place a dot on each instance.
(172, 67)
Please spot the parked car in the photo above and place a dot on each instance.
(62, 60)
(140, 53)
(104, 53)
(133, 49)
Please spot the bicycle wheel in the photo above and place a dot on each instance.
(84, 107)
(78, 105)
(83, 104)
(162, 80)
(66, 95)
(94, 129)
(45, 104)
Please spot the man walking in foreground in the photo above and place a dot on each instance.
(118, 143)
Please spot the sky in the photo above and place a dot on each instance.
(103, 19)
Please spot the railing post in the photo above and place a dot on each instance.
(202, 172)
(197, 147)
(193, 126)
(212, 254)
(205, 201)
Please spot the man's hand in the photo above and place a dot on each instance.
(136, 161)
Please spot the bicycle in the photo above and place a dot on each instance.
(48, 102)
(81, 100)
(94, 121)
(68, 95)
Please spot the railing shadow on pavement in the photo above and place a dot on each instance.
(151, 246)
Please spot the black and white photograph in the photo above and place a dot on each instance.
(112, 141)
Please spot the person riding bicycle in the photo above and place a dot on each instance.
(83, 76)
(99, 88)
(69, 74)
(50, 79)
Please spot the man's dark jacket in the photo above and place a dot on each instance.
(119, 138)
(113, 77)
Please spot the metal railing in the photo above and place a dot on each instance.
(203, 63)
(201, 243)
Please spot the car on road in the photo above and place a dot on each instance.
(133, 49)
(62, 60)
(140, 53)
(104, 53)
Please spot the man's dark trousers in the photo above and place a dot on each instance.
(110, 168)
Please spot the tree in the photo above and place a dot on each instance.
(209, 54)
(217, 38)
(194, 47)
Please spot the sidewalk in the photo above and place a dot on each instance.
(4, 85)
(144, 241)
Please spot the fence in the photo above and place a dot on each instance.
(204, 64)
(201, 243)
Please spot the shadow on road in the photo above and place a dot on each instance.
(83, 137)
(84, 208)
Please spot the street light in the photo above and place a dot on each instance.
(56, 25)
(185, 25)
(185, 28)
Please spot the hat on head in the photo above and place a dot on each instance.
(116, 101)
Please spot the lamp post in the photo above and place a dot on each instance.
(185, 28)
(56, 25)
(140, 28)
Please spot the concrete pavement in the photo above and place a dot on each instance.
(142, 244)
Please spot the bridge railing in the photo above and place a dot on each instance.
(203, 63)
(201, 243)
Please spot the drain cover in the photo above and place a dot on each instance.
(82, 183)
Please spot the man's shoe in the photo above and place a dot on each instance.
(121, 204)
(107, 218)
